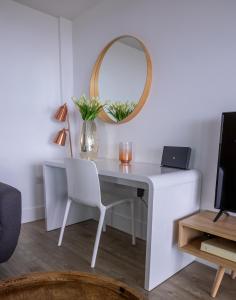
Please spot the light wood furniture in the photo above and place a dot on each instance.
(233, 274)
(217, 282)
(65, 285)
(94, 86)
(164, 187)
(197, 228)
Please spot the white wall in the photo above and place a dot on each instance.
(66, 75)
(29, 95)
(193, 48)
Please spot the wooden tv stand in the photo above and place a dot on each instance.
(194, 229)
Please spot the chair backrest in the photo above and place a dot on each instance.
(83, 182)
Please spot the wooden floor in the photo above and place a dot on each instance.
(37, 251)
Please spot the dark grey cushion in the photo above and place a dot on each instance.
(10, 220)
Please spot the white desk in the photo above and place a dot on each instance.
(172, 195)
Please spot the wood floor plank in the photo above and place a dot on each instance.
(37, 251)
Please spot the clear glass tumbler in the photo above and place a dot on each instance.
(125, 152)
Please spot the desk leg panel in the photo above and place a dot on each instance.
(167, 205)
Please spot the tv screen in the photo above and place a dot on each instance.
(225, 196)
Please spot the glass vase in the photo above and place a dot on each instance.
(88, 140)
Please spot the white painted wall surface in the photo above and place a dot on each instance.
(192, 44)
(66, 76)
(29, 95)
(193, 48)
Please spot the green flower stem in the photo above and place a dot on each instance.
(89, 108)
(121, 110)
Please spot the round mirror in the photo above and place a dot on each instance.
(121, 79)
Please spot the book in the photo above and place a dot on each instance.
(220, 247)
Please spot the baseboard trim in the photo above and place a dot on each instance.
(32, 214)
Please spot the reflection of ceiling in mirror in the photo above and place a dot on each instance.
(132, 42)
(123, 72)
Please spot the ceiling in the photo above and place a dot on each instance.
(69, 9)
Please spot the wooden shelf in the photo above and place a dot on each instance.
(194, 248)
(199, 227)
(225, 227)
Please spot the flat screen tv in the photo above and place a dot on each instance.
(225, 193)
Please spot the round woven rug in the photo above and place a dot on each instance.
(65, 286)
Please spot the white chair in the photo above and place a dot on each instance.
(84, 187)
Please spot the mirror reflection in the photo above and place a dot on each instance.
(122, 77)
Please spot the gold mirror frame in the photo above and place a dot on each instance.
(94, 89)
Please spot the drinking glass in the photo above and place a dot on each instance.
(125, 152)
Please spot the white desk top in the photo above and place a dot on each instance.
(137, 171)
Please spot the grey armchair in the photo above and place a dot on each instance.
(10, 220)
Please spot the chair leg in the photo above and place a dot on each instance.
(104, 227)
(98, 235)
(64, 221)
(132, 222)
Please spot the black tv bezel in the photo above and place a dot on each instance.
(218, 204)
